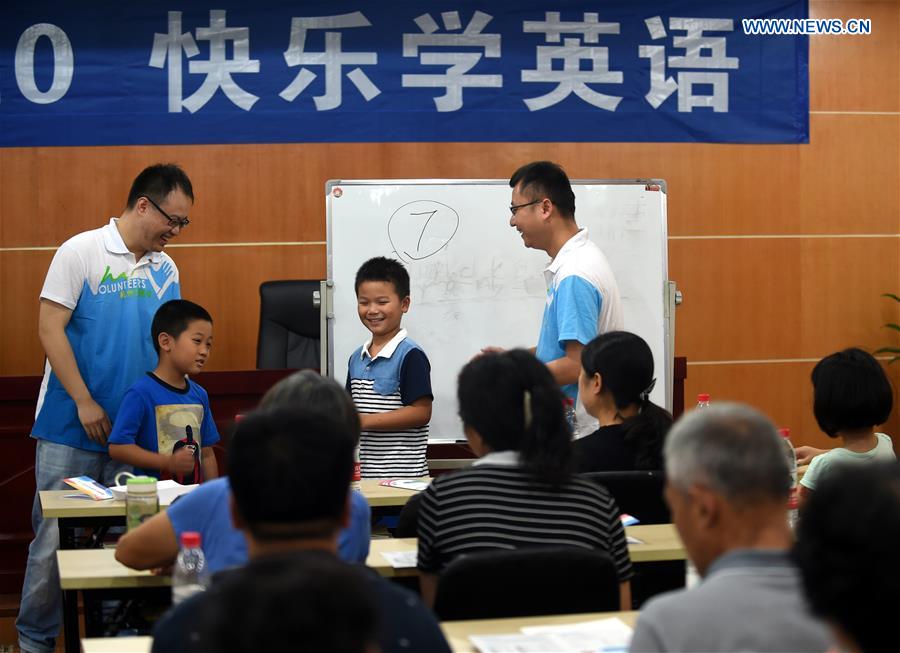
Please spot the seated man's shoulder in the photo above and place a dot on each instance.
(177, 630)
(407, 624)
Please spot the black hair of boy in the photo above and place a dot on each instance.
(625, 364)
(384, 269)
(299, 601)
(174, 317)
(514, 403)
(850, 392)
(157, 181)
(290, 473)
(312, 390)
(542, 179)
(847, 552)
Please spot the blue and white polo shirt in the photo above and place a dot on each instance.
(113, 300)
(397, 376)
(582, 302)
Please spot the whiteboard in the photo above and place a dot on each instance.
(472, 281)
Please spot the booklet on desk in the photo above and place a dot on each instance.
(90, 487)
(405, 483)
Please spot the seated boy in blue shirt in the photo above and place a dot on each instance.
(164, 423)
(389, 377)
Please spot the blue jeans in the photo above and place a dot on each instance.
(40, 612)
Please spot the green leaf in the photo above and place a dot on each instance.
(895, 327)
(892, 296)
(887, 350)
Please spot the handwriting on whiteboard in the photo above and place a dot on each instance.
(421, 229)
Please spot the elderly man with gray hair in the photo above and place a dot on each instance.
(727, 487)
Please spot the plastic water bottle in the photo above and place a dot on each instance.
(793, 502)
(189, 576)
(691, 575)
(569, 409)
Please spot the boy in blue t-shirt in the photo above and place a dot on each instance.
(389, 377)
(164, 423)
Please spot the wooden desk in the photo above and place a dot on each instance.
(117, 645)
(96, 569)
(380, 496)
(660, 542)
(458, 632)
(54, 503)
(74, 513)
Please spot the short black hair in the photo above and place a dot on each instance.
(546, 179)
(174, 317)
(312, 390)
(301, 601)
(157, 181)
(850, 392)
(847, 551)
(290, 472)
(514, 404)
(384, 269)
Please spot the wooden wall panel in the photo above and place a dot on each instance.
(848, 175)
(856, 73)
(21, 278)
(783, 298)
(782, 390)
(226, 280)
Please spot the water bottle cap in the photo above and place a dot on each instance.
(784, 432)
(702, 397)
(190, 539)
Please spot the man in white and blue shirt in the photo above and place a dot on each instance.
(582, 294)
(97, 303)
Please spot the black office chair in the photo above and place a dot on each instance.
(408, 521)
(289, 326)
(638, 493)
(527, 582)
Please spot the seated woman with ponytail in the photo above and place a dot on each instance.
(614, 386)
(521, 492)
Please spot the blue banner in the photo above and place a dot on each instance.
(120, 73)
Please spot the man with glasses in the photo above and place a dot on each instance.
(97, 304)
(582, 294)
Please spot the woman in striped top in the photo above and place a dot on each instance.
(521, 492)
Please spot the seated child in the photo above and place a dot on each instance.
(389, 377)
(851, 396)
(164, 423)
(521, 492)
(615, 384)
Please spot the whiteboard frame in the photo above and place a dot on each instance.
(668, 287)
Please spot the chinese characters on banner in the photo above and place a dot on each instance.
(281, 72)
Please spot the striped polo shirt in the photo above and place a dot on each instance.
(498, 505)
(397, 376)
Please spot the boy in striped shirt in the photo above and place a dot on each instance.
(389, 377)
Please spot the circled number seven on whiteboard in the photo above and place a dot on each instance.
(422, 228)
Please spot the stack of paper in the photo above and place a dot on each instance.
(603, 635)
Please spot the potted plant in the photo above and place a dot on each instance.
(891, 350)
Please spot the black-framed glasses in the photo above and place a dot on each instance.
(181, 223)
(515, 207)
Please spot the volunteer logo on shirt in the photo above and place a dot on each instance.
(138, 284)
